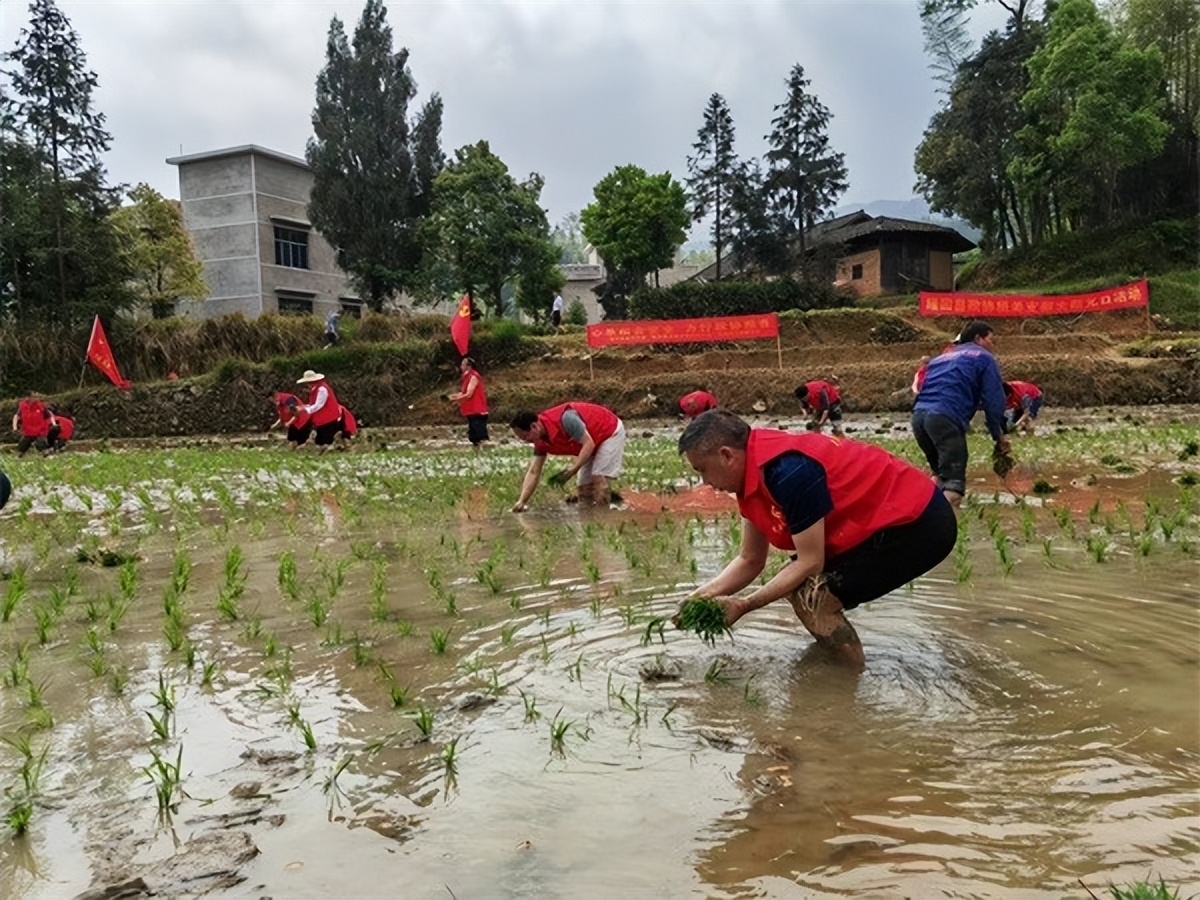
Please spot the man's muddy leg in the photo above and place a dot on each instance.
(821, 613)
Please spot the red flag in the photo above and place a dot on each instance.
(100, 355)
(460, 326)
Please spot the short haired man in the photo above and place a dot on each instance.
(958, 382)
(594, 435)
(823, 401)
(858, 522)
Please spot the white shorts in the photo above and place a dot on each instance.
(608, 460)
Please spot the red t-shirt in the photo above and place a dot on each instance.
(697, 402)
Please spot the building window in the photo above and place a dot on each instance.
(295, 306)
(291, 247)
(856, 272)
(351, 308)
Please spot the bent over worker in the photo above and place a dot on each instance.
(858, 522)
(594, 435)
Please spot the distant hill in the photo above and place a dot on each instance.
(915, 209)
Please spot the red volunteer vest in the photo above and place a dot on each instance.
(286, 416)
(33, 420)
(870, 488)
(476, 404)
(814, 393)
(697, 402)
(601, 424)
(1021, 390)
(349, 423)
(331, 411)
(66, 427)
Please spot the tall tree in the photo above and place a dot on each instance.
(757, 234)
(805, 176)
(49, 109)
(568, 237)
(712, 170)
(962, 161)
(1095, 107)
(947, 42)
(635, 223)
(373, 168)
(163, 264)
(489, 229)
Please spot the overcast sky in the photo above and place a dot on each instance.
(569, 89)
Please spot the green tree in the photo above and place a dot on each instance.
(758, 233)
(162, 261)
(947, 42)
(568, 237)
(489, 229)
(712, 170)
(636, 222)
(373, 168)
(58, 256)
(1094, 108)
(962, 161)
(805, 176)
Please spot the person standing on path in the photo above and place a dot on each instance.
(323, 409)
(472, 401)
(957, 383)
(332, 321)
(857, 521)
(591, 433)
(556, 311)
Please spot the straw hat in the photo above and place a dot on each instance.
(308, 376)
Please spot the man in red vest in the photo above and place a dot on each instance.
(858, 522)
(323, 409)
(39, 424)
(823, 401)
(471, 398)
(591, 433)
(691, 405)
(1022, 403)
(290, 413)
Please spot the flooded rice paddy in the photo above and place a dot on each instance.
(243, 673)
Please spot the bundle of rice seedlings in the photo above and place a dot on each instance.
(703, 616)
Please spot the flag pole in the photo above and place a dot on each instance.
(779, 350)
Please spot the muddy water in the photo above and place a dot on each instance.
(1011, 732)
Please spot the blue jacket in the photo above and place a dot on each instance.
(961, 381)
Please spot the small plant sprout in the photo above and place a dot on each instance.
(705, 617)
(379, 610)
(439, 640)
(423, 719)
(531, 710)
(288, 577)
(450, 763)
(167, 778)
(558, 733)
(15, 591)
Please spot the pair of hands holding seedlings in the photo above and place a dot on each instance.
(559, 478)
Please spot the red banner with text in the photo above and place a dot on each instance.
(959, 303)
(682, 331)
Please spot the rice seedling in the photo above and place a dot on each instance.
(288, 577)
(44, 617)
(438, 641)
(514, 602)
(331, 786)
(1144, 543)
(1097, 547)
(167, 779)
(716, 673)
(127, 579)
(1028, 523)
(559, 728)
(253, 628)
(1062, 515)
(378, 608)
(1004, 552)
(335, 576)
(306, 733)
(161, 725)
(318, 611)
(575, 670)
(450, 763)
(507, 632)
(654, 626)
(164, 695)
(423, 719)
(361, 650)
(404, 628)
(751, 694)
(595, 607)
(450, 604)
(14, 592)
(208, 673)
(531, 711)
(118, 681)
(704, 617)
(117, 607)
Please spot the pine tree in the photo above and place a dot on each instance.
(805, 177)
(373, 169)
(62, 266)
(712, 171)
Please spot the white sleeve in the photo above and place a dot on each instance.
(322, 396)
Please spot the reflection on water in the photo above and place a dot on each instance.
(1011, 732)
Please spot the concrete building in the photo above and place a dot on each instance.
(246, 209)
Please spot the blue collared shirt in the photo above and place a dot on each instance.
(961, 381)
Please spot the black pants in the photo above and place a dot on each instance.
(893, 557)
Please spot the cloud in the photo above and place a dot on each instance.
(567, 89)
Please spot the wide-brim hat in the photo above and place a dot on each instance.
(308, 376)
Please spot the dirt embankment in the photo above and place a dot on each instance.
(873, 353)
